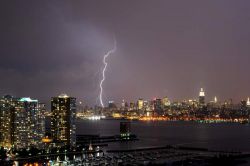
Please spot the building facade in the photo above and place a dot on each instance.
(7, 110)
(63, 129)
(157, 105)
(22, 122)
(202, 97)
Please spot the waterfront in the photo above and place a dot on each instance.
(216, 136)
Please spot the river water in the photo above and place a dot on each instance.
(215, 136)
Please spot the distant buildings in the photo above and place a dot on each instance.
(63, 129)
(166, 102)
(22, 122)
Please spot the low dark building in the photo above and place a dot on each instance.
(125, 129)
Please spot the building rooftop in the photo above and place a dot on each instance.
(27, 99)
(63, 95)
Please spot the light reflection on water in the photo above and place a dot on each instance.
(218, 136)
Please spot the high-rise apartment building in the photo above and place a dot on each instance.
(7, 110)
(63, 129)
(22, 122)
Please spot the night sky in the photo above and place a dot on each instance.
(164, 48)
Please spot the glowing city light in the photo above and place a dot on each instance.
(202, 93)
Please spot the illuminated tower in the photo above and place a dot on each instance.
(63, 127)
(6, 121)
(123, 104)
(248, 102)
(202, 97)
(140, 104)
(215, 99)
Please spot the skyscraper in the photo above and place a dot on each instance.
(111, 104)
(28, 123)
(63, 129)
(123, 104)
(157, 105)
(248, 102)
(140, 104)
(22, 122)
(132, 106)
(215, 99)
(202, 97)
(6, 121)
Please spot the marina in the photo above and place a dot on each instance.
(167, 155)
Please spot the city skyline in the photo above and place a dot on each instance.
(163, 49)
(200, 98)
(90, 82)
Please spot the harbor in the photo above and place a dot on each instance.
(166, 155)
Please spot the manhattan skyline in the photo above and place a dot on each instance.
(164, 48)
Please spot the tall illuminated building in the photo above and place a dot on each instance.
(248, 102)
(123, 104)
(140, 104)
(29, 123)
(215, 99)
(7, 111)
(22, 122)
(63, 129)
(41, 120)
(146, 106)
(202, 97)
(165, 102)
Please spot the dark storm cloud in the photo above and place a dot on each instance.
(164, 48)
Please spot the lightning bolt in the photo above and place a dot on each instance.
(104, 69)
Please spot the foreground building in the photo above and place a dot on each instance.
(22, 122)
(7, 111)
(63, 129)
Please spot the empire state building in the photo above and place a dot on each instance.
(202, 97)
